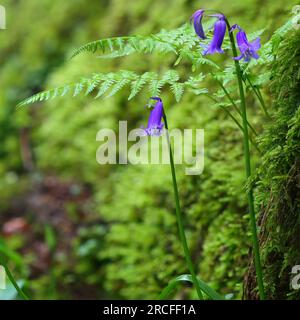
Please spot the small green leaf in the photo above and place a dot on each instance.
(210, 292)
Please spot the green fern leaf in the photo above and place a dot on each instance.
(137, 85)
(177, 89)
(104, 87)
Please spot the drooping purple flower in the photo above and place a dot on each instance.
(219, 33)
(197, 21)
(155, 125)
(248, 49)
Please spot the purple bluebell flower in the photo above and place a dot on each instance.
(248, 49)
(197, 21)
(155, 125)
(219, 33)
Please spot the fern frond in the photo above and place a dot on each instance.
(105, 85)
(137, 85)
(199, 61)
(46, 95)
(155, 87)
(123, 46)
(182, 40)
(109, 84)
(178, 90)
(92, 83)
(118, 86)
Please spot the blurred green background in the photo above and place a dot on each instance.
(81, 230)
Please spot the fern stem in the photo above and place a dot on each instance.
(247, 158)
(180, 216)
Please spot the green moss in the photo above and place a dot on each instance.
(278, 195)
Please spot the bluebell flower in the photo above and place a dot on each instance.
(155, 124)
(248, 49)
(219, 33)
(197, 21)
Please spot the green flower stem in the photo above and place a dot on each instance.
(250, 197)
(13, 281)
(180, 217)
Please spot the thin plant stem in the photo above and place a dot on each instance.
(250, 197)
(13, 281)
(235, 121)
(180, 216)
(259, 97)
(234, 105)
